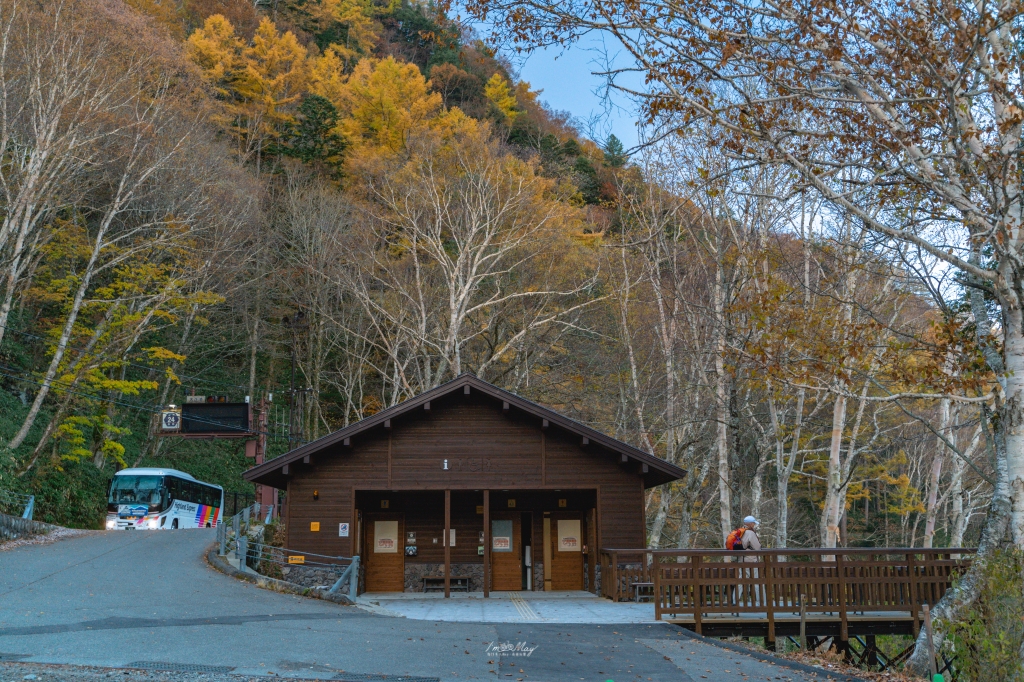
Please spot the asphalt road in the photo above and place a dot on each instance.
(121, 599)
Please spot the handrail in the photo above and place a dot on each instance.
(23, 505)
(352, 575)
(767, 584)
(788, 551)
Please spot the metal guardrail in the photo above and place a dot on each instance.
(17, 504)
(233, 539)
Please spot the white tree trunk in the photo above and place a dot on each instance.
(829, 524)
(934, 474)
(722, 410)
(1013, 418)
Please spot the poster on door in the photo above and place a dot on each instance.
(385, 537)
(569, 535)
(501, 535)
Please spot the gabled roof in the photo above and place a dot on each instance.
(655, 470)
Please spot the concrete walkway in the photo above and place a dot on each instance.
(145, 599)
(511, 607)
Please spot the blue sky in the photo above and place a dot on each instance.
(566, 75)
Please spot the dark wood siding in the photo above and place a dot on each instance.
(621, 501)
(486, 447)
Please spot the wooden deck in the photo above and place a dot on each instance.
(841, 592)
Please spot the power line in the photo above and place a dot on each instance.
(140, 408)
(134, 364)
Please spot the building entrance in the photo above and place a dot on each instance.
(384, 552)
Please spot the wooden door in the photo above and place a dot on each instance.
(566, 551)
(506, 552)
(384, 552)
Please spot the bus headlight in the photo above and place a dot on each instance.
(111, 524)
(152, 523)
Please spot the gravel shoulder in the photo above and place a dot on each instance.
(41, 672)
(56, 535)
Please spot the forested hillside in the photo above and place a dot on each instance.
(195, 192)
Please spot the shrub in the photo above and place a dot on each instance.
(989, 636)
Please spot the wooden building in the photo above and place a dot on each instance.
(466, 486)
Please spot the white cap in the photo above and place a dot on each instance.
(750, 519)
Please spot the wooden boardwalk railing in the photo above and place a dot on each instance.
(831, 584)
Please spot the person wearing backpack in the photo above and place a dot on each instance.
(749, 540)
(745, 538)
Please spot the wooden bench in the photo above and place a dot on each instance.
(434, 584)
(642, 590)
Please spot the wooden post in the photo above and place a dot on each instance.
(931, 644)
(487, 543)
(803, 622)
(844, 630)
(768, 585)
(656, 582)
(447, 543)
(698, 595)
(912, 587)
(614, 575)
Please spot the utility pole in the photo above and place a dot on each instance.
(296, 397)
(265, 495)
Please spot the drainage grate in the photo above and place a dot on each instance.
(181, 667)
(13, 657)
(377, 677)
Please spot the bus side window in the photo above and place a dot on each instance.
(172, 487)
(211, 500)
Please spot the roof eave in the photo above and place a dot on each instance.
(262, 473)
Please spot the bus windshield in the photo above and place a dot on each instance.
(147, 490)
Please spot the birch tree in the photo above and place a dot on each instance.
(915, 102)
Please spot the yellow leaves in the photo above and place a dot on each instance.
(161, 353)
(361, 32)
(327, 75)
(275, 71)
(499, 94)
(382, 101)
(87, 435)
(217, 51)
(256, 80)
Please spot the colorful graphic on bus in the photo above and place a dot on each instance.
(206, 515)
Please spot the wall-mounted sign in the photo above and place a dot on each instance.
(193, 399)
(451, 538)
(170, 420)
(384, 504)
(501, 535)
(314, 526)
(511, 503)
(569, 535)
(296, 559)
(342, 530)
(480, 550)
(385, 537)
(562, 502)
(410, 550)
(479, 509)
(410, 538)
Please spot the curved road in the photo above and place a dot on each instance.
(121, 599)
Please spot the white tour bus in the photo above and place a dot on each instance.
(162, 498)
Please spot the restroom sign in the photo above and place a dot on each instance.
(342, 530)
